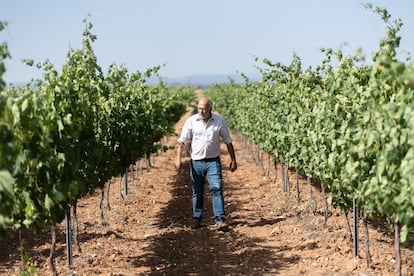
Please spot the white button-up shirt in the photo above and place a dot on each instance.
(205, 138)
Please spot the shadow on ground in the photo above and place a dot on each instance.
(183, 251)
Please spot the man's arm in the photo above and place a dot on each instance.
(180, 147)
(233, 163)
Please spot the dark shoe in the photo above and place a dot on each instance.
(196, 224)
(222, 226)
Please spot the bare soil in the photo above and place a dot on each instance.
(147, 231)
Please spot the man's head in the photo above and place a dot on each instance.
(205, 106)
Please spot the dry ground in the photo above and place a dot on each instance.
(147, 231)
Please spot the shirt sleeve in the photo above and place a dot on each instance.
(225, 133)
(186, 133)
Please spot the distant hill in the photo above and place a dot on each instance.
(207, 80)
(202, 81)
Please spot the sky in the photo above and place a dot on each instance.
(191, 37)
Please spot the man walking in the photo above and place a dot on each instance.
(205, 131)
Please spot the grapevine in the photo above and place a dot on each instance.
(346, 124)
(65, 135)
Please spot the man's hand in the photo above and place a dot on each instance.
(233, 166)
(233, 163)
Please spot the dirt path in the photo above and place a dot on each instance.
(148, 233)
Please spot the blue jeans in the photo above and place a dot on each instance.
(199, 171)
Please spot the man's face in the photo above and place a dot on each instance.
(204, 110)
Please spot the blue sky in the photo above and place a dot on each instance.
(194, 37)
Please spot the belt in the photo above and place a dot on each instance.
(208, 159)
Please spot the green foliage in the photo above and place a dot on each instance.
(4, 54)
(6, 199)
(348, 125)
(66, 134)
